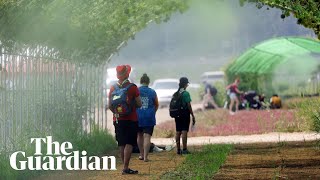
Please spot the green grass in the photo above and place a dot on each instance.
(201, 164)
(96, 143)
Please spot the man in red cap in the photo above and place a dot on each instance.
(126, 127)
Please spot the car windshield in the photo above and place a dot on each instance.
(166, 85)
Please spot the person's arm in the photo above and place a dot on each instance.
(228, 87)
(191, 112)
(156, 103)
(138, 101)
(238, 91)
(208, 92)
(136, 96)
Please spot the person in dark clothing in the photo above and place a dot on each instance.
(208, 97)
(183, 121)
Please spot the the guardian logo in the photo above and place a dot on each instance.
(59, 156)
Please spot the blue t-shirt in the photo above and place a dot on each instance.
(147, 112)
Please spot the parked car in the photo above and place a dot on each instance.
(165, 88)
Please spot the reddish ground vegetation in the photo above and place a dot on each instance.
(220, 123)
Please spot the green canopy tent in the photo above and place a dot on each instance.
(256, 64)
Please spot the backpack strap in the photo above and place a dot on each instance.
(118, 86)
(128, 86)
(180, 97)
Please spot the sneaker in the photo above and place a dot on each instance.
(231, 113)
(185, 151)
(179, 151)
(169, 147)
(129, 171)
(157, 149)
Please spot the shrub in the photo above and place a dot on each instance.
(96, 143)
(309, 111)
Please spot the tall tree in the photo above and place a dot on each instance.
(307, 12)
(78, 29)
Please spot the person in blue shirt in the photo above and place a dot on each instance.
(146, 116)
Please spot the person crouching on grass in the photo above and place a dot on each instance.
(183, 121)
(146, 116)
(126, 127)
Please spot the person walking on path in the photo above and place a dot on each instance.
(210, 92)
(126, 125)
(233, 90)
(146, 116)
(183, 121)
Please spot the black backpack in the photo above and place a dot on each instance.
(213, 91)
(176, 108)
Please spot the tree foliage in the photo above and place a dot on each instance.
(81, 30)
(307, 12)
(91, 31)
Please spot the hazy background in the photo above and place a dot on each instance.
(205, 38)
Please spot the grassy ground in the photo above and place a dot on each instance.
(202, 164)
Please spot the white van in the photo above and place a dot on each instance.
(212, 76)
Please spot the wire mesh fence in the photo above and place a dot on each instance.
(41, 96)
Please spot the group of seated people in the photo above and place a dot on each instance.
(253, 100)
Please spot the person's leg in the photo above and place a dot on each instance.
(140, 144)
(146, 143)
(121, 148)
(231, 105)
(184, 139)
(185, 129)
(237, 104)
(204, 102)
(178, 135)
(130, 139)
(213, 103)
(127, 155)
(178, 122)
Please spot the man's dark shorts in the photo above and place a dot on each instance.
(183, 122)
(126, 132)
(147, 130)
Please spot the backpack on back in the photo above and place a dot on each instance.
(176, 106)
(120, 102)
(213, 91)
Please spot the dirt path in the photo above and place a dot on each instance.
(269, 159)
(159, 164)
(273, 161)
(236, 139)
